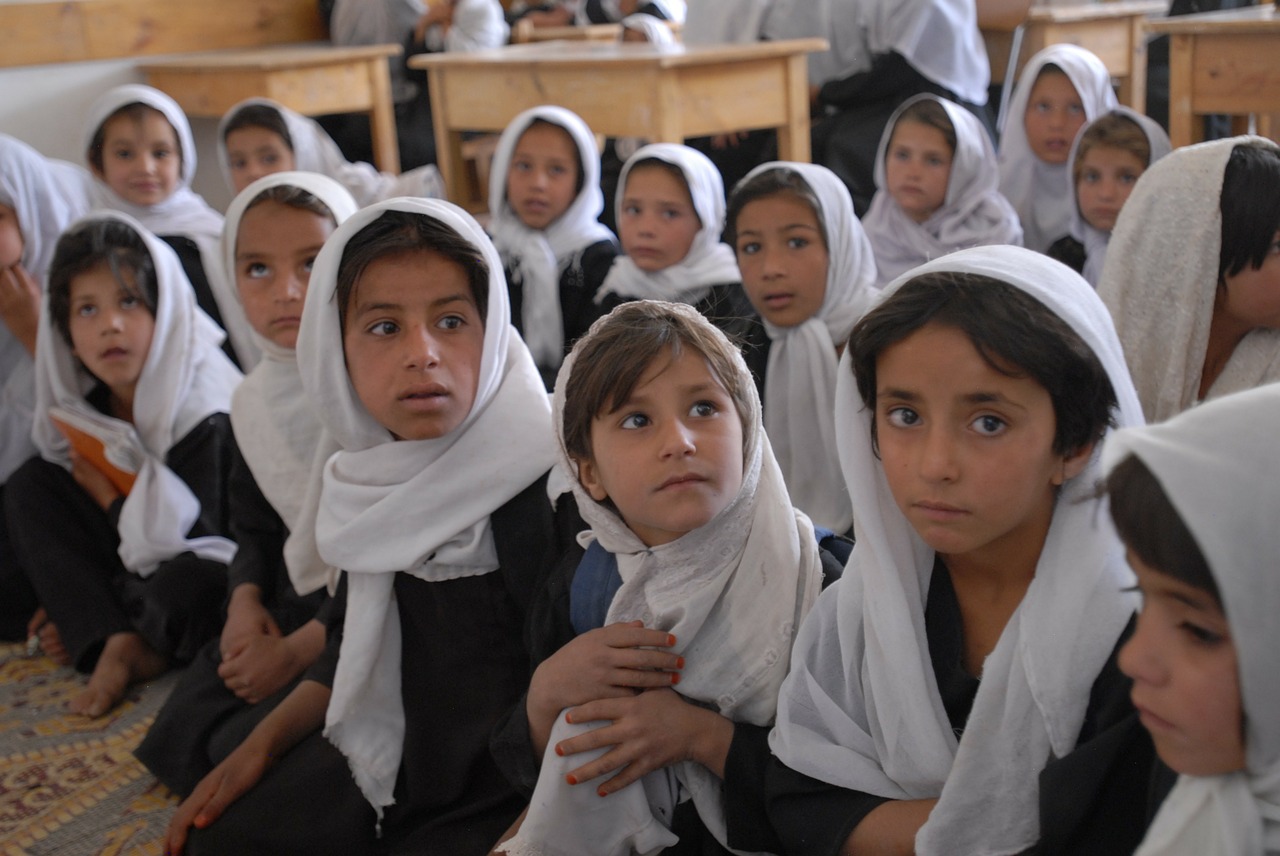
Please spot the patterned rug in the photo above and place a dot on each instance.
(70, 785)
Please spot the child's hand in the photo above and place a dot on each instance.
(226, 783)
(20, 305)
(649, 731)
(264, 664)
(94, 482)
(610, 662)
(41, 627)
(247, 619)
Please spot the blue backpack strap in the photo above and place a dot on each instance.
(595, 582)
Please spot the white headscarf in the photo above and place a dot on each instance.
(732, 591)
(800, 381)
(315, 151)
(719, 22)
(1095, 240)
(184, 213)
(185, 379)
(672, 10)
(1218, 467)
(1160, 282)
(540, 255)
(476, 25)
(416, 506)
(276, 426)
(46, 196)
(709, 261)
(656, 31)
(861, 708)
(973, 214)
(939, 38)
(1041, 192)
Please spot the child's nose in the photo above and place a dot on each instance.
(938, 458)
(1140, 657)
(294, 287)
(677, 439)
(422, 350)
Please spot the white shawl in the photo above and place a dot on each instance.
(733, 592)
(656, 31)
(973, 214)
(861, 708)
(672, 10)
(1218, 466)
(1041, 192)
(540, 255)
(709, 261)
(184, 213)
(417, 506)
(185, 379)
(475, 25)
(1161, 278)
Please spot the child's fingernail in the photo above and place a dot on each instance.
(559, 751)
(679, 662)
(671, 639)
(602, 792)
(571, 779)
(675, 677)
(568, 717)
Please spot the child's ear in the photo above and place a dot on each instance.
(589, 478)
(1073, 464)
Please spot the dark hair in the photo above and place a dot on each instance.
(258, 116)
(1013, 332)
(778, 181)
(573, 144)
(1112, 131)
(1047, 69)
(1250, 208)
(135, 111)
(294, 197)
(398, 232)
(672, 170)
(1153, 530)
(108, 243)
(618, 351)
(930, 113)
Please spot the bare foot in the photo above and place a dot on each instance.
(126, 659)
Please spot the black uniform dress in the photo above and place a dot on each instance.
(176, 748)
(550, 628)
(67, 543)
(193, 265)
(463, 666)
(813, 817)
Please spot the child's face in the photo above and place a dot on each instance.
(141, 161)
(1253, 295)
(11, 243)
(111, 328)
(413, 342)
(670, 457)
(1107, 177)
(783, 258)
(253, 152)
(275, 248)
(1186, 683)
(543, 176)
(658, 223)
(967, 450)
(1054, 115)
(917, 167)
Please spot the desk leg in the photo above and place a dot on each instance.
(382, 119)
(1182, 122)
(1137, 80)
(459, 187)
(793, 137)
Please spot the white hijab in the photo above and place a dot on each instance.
(419, 507)
(705, 587)
(1160, 282)
(861, 708)
(276, 427)
(185, 379)
(184, 213)
(46, 196)
(475, 25)
(973, 214)
(1041, 192)
(656, 31)
(672, 10)
(540, 255)
(939, 38)
(709, 261)
(1217, 464)
(800, 380)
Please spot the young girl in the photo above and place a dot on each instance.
(983, 600)
(1108, 157)
(437, 510)
(133, 582)
(544, 203)
(696, 575)
(808, 270)
(258, 137)
(272, 633)
(670, 212)
(139, 147)
(1061, 88)
(938, 188)
(1194, 500)
(1193, 274)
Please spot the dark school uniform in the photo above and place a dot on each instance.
(813, 817)
(1070, 252)
(552, 625)
(176, 747)
(192, 264)
(68, 546)
(463, 666)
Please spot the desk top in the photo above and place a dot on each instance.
(1251, 19)
(586, 53)
(1097, 11)
(268, 59)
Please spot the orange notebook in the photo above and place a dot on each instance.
(101, 443)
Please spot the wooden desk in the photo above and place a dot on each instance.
(1222, 62)
(312, 79)
(666, 94)
(1113, 30)
(524, 31)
